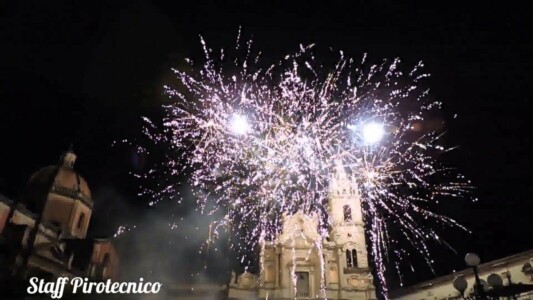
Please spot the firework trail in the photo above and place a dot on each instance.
(262, 142)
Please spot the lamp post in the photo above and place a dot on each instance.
(472, 260)
(494, 284)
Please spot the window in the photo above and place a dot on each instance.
(351, 258)
(81, 220)
(105, 261)
(347, 213)
(349, 262)
(354, 258)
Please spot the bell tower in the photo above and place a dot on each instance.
(346, 217)
(344, 201)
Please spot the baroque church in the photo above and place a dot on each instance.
(44, 232)
(300, 264)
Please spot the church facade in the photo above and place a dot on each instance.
(300, 264)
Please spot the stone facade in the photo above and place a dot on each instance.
(300, 264)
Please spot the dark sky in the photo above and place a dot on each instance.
(83, 72)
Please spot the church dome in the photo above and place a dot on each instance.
(59, 179)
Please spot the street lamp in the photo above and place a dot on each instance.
(494, 281)
(472, 260)
(460, 284)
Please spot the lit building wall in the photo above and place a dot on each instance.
(441, 288)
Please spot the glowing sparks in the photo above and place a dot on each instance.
(239, 125)
(372, 133)
(262, 142)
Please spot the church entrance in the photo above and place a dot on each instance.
(302, 284)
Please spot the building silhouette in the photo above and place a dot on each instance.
(44, 233)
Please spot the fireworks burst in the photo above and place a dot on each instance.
(260, 142)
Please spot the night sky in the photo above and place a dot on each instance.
(83, 72)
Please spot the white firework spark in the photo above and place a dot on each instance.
(261, 142)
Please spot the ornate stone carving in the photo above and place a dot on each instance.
(360, 281)
(70, 193)
(247, 281)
